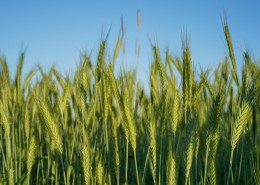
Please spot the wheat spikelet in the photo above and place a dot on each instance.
(100, 61)
(51, 127)
(28, 79)
(245, 82)
(5, 121)
(114, 86)
(85, 156)
(31, 154)
(187, 75)
(215, 112)
(5, 71)
(65, 98)
(189, 148)
(27, 125)
(231, 51)
(171, 170)
(175, 113)
(154, 90)
(91, 113)
(160, 66)
(59, 78)
(212, 173)
(225, 70)
(117, 49)
(152, 134)
(129, 123)
(240, 123)
(18, 77)
(99, 172)
(115, 149)
(177, 64)
(189, 155)
(198, 91)
(214, 141)
(105, 94)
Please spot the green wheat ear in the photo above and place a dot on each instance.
(171, 169)
(117, 48)
(152, 136)
(240, 123)
(231, 51)
(160, 66)
(85, 156)
(51, 126)
(189, 148)
(100, 172)
(187, 75)
(31, 154)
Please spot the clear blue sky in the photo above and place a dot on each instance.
(54, 32)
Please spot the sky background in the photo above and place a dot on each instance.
(56, 32)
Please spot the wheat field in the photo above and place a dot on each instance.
(100, 127)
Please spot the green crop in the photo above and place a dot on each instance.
(99, 127)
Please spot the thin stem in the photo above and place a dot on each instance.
(136, 169)
(145, 166)
(206, 167)
(126, 165)
(230, 165)
(64, 173)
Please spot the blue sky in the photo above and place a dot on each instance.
(55, 32)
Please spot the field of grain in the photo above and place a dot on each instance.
(100, 127)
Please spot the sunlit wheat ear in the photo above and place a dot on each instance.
(129, 123)
(27, 125)
(85, 157)
(65, 97)
(4, 120)
(116, 147)
(114, 86)
(187, 75)
(212, 173)
(160, 66)
(59, 78)
(198, 92)
(231, 51)
(5, 70)
(240, 123)
(117, 48)
(18, 77)
(245, 81)
(28, 80)
(189, 148)
(105, 94)
(100, 172)
(152, 134)
(175, 113)
(31, 154)
(100, 61)
(215, 137)
(51, 127)
(171, 169)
